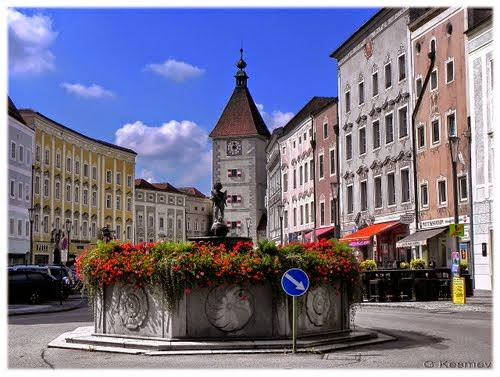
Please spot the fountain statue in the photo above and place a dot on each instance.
(218, 197)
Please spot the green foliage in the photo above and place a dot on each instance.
(417, 264)
(404, 265)
(175, 268)
(368, 264)
(464, 266)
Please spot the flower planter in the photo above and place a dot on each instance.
(235, 311)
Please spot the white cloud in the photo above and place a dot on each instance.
(176, 152)
(30, 39)
(275, 119)
(93, 91)
(175, 70)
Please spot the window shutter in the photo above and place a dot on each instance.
(239, 172)
(229, 172)
(239, 224)
(239, 199)
(228, 224)
(229, 199)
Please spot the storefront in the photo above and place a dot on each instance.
(378, 242)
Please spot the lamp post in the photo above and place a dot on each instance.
(249, 223)
(280, 213)
(334, 186)
(454, 142)
(31, 213)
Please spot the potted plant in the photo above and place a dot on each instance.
(417, 264)
(368, 265)
(404, 265)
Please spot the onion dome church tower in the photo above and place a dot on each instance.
(239, 159)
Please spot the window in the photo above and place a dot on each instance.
(402, 67)
(21, 153)
(75, 227)
(452, 126)
(421, 136)
(294, 178)
(462, 188)
(307, 214)
(27, 228)
(321, 166)
(38, 152)
(150, 221)
(295, 217)
(301, 175)
(85, 197)
(108, 200)
(347, 101)
(434, 79)
(36, 224)
(47, 156)
(161, 222)
(376, 134)
(418, 86)
(388, 78)
(94, 172)
(436, 131)
(129, 232)
(27, 193)
(118, 231)
(377, 183)
(139, 220)
(58, 190)
(19, 227)
(58, 160)
(129, 204)
(129, 180)
(301, 215)
(348, 147)
(37, 184)
(46, 187)
(350, 202)
(322, 213)
(118, 178)
(442, 193)
(85, 229)
(332, 162)
(306, 177)
(13, 150)
(364, 196)
(389, 129)
(85, 170)
(12, 188)
(450, 71)
(375, 84)
(424, 195)
(391, 189)
(68, 164)
(20, 191)
(11, 226)
(311, 170)
(68, 193)
(403, 122)
(433, 45)
(108, 176)
(333, 211)
(46, 224)
(77, 194)
(28, 156)
(285, 219)
(405, 185)
(325, 131)
(285, 182)
(362, 140)
(94, 198)
(361, 91)
(119, 202)
(77, 167)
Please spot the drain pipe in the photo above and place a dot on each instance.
(432, 57)
(468, 136)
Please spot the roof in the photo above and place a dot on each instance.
(13, 112)
(240, 117)
(315, 104)
(163, 186)
(192, 191)
(365, 233)
(105, 143)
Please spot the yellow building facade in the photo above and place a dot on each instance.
(77, 179)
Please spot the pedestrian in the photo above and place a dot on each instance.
(432, 263)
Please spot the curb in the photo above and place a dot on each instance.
(46, 308)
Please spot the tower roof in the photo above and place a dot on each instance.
(240, 116)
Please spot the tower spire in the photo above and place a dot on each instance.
(241, 75)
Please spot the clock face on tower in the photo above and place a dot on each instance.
(233, 147)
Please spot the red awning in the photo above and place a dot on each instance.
(319, 232)
(365, 233)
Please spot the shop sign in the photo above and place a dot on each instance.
(406, 218)
(456, 230)
(443, 222)
(458, 291)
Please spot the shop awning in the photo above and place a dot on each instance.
(363, 236)
(319, 232)
(419, 238)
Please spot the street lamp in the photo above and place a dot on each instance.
(454, 142)
(249, 223)
(280, 214)
(334, 186)
(31, 213)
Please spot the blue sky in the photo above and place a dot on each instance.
(156, 80)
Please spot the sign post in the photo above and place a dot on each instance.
(295, 283)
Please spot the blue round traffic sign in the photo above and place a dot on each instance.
(295, 282)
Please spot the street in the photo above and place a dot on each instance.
(431, 337)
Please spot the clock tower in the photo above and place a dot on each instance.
(239, 140)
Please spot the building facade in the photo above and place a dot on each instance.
(20, 139)
(239, 159)
(297, 169)
(274, 203)
(81, 181)
(198, 212)
(160, 212)
(479, 47)
(442, 114)
(375, 157)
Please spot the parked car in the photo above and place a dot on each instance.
(68, 281)
(31, 286)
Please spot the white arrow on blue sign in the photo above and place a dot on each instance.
(295, 282)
